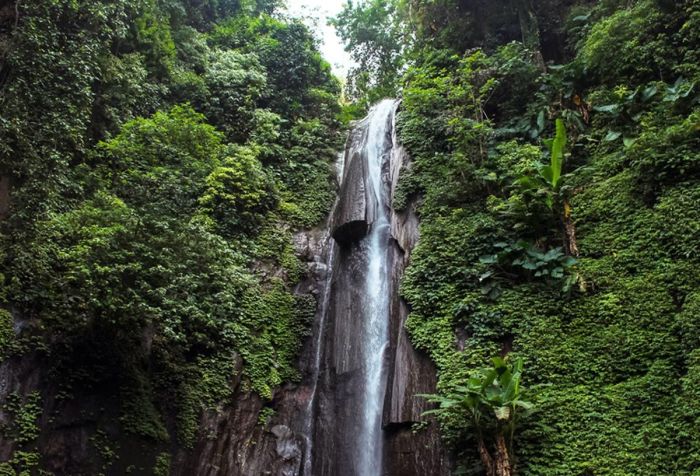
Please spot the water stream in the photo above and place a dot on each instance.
(376, 308)
(345, 416)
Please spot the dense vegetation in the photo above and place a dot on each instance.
(591, 275)
(155, 158)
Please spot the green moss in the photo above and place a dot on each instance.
(270, 356)
(200, 386)
(139, 415)
(106, 447)
(23, 463)
(8, 341)
(25, 412)
(612, 365)
(406, 190)
(274, 247)
(265, 415)
(162, 466)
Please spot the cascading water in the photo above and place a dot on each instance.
(347, 435)
(376, 308)
(353, 412)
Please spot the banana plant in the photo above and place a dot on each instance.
(552, 173)
(546, 183)
(501, 388)
(492, 391)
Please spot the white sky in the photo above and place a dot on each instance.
(315, 14)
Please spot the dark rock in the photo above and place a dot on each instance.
(338, 397)
(352, 216)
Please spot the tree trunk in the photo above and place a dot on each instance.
(503, 466)
(486, 458)
(569, 231)
(530, 30)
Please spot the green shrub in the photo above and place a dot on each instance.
(7, 335)
(238, 194)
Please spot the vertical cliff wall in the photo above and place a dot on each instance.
(343, 380)
(319, 424)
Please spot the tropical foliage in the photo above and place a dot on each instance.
(574, 254)
(148, 151)
(493, 394)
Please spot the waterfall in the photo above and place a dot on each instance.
(375, 314)
(352, 413)
(348, 401)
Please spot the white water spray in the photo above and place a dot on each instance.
(376, 307)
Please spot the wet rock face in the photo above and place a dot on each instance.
(232, 439)
(355, 210)
(408, 372)
(351, 221)
(235, 442)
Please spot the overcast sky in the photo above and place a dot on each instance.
(316, 14)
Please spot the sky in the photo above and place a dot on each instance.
(316, 14)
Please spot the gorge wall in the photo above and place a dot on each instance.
(406, 372)
(315, 423)
(309, 428)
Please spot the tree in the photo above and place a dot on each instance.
(235, 82)
(372, 34)
(492, 394)
(288, 53)
(530, 30)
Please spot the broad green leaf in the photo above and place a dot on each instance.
(553, 254)
(608, 108)
(557, 152)
(649, 92)
(498, 362)
(488, 259)
(569, 261)
(547, 173)
(612, 136)
(518, 365)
